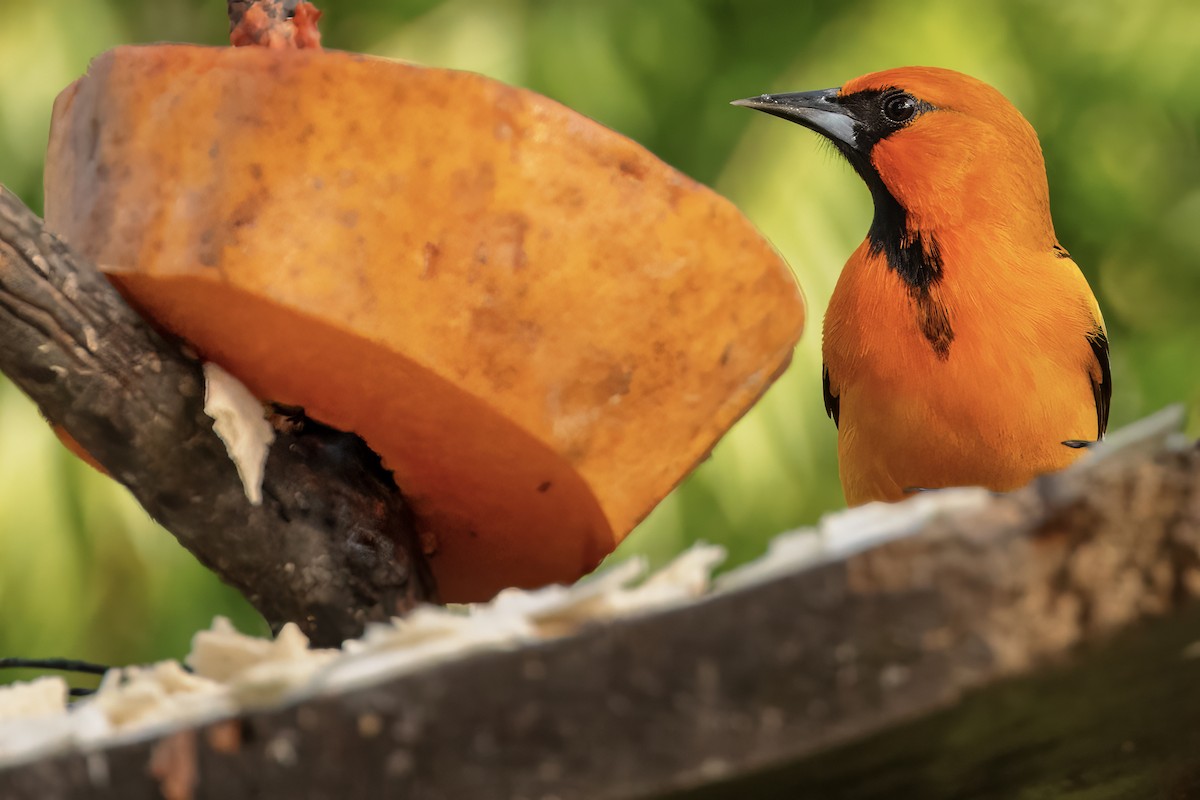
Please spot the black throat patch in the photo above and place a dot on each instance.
(913, 255)
(916, 258)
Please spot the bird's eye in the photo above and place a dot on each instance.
(899, 108)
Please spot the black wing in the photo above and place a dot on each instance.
(833, 404)
(1101, 389)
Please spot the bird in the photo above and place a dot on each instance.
(962, 345)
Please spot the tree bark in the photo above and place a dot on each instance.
(277, 10)
(1023, 645)
(332, 545)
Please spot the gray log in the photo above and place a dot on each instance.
(1034, 646)
(331, 547)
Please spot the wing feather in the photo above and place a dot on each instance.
(832, 403)
(1102, 383)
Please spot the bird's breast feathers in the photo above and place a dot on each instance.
(977, 377)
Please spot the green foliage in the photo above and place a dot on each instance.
(1107, 84)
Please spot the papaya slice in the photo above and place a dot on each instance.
(538, 325)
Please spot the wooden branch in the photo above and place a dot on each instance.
(1028, 642)
(331, 547)
(278, 10)
(283, 24)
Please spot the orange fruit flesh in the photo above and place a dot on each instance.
(437, 436)
(540, 327)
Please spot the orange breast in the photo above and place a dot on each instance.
(994, 411)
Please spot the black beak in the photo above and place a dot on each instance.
(819, 111)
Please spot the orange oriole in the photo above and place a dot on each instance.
(962, 345)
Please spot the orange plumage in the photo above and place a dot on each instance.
(962, 344)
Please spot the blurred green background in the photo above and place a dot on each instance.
(1110, 86)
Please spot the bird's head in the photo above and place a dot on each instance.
(943, 146)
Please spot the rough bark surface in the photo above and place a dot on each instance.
(275, 9)
(974, 658)
(332, 545)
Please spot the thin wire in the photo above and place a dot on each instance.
(62, 664)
